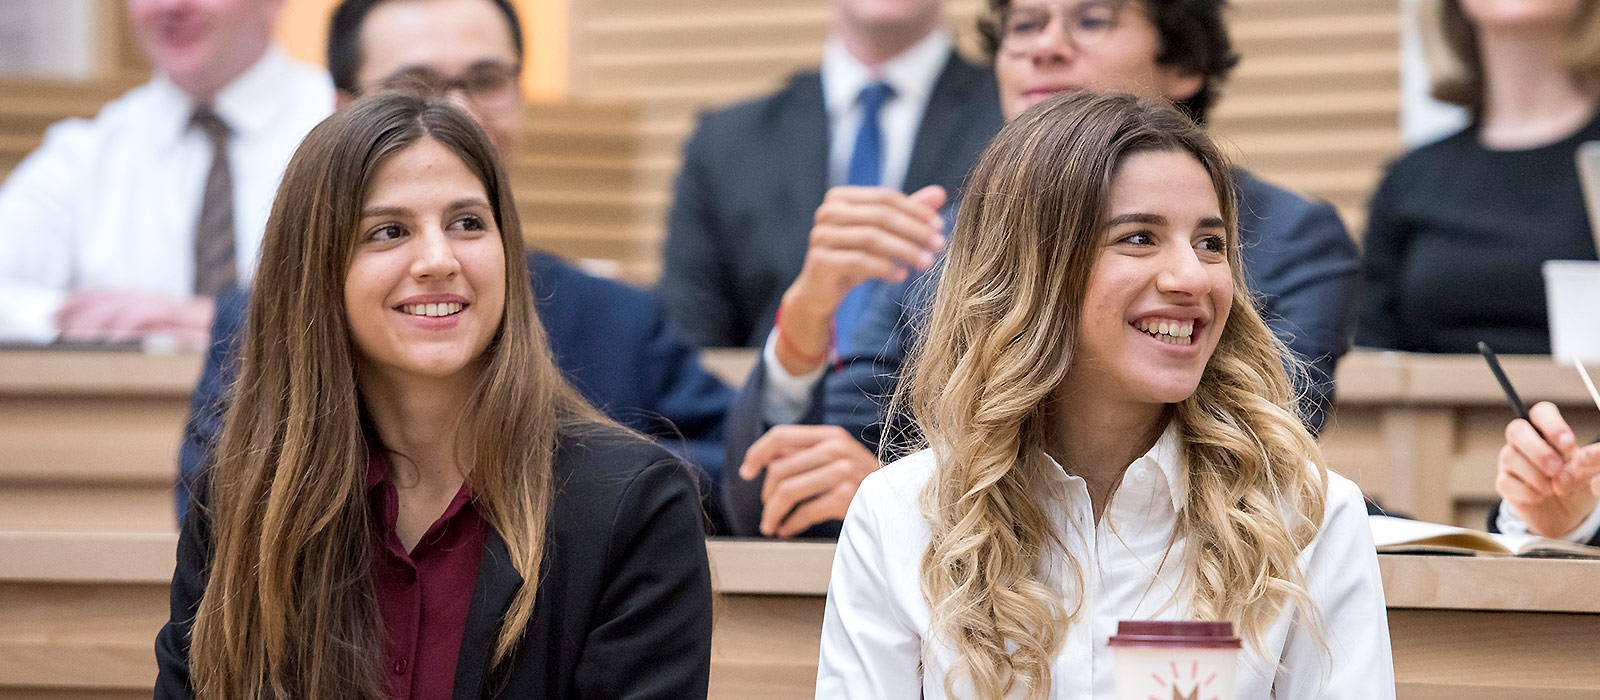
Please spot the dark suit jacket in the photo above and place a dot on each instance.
(753, 176)
(610, 340)
(624, 603)
(1298, 260)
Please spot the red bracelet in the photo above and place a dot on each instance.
(786, 344)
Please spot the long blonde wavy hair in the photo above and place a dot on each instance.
(1000, 340)
(289, 609)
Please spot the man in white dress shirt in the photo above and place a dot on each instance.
(128, 224)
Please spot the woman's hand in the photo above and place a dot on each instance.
(1553, 485)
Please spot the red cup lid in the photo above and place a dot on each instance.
(1175, 633)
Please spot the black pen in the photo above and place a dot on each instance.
(1517, 408)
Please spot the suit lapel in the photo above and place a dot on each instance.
(953, 115)
(801, 145)
(498, 581)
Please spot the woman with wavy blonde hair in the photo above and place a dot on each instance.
(408, 500)
(1111, 436)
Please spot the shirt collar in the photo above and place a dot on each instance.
(247, 105)
(1166, 455)
(911, 73)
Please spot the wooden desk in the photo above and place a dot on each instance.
(79, 613)
(1461, 628)
(1421, 432)
(89, 440)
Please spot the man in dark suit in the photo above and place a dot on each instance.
(893, 110)
(830, 418)
(610, 340)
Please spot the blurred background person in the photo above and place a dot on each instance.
(829, 417)
(132, 223)
(610, 340)
(1459, 228)
(893, 110)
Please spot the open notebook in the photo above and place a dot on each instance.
(1400, 536)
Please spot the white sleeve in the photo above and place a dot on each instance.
(36, 208)
(1510, 522)
(1342, 575)
(869, 651)
(787, 396)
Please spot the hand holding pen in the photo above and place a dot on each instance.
(1542, 472)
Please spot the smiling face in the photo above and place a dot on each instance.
(1043, 59)
(426, 286)
(1161, 287)
(202, 45)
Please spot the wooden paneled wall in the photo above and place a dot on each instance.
(1313, 106)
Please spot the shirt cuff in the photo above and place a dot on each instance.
(1511, 522)
(29, 316)
(787, 396)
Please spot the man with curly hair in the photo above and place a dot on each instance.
(806, 427)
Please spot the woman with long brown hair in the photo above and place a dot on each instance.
(1111, 436)
(407, 499)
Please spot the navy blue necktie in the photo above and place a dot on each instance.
(866, 169)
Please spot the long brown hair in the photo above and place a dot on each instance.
(1000, 340)
(289, 609)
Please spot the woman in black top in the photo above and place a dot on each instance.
(1459, 228)
(407, 499)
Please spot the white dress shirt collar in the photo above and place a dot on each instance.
(1166, 457)
(911, 73)
(247, 105)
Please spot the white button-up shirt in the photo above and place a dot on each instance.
(911, 74)
(112, 202)
(1510, 522)
(875, 642)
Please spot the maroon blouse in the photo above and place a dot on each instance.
(424, 594)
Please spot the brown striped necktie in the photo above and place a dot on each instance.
(214, 267)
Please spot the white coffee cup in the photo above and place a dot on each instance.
(1572, 296)
(1181, 660)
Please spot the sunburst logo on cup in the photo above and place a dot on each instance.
(1179, 683)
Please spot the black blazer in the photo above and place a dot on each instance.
(624, 603)
(753, 176)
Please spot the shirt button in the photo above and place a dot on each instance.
(400, 667)
(1141, 475)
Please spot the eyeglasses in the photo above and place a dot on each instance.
(484, 84)
(1087, 23)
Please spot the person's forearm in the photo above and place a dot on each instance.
(804, 333)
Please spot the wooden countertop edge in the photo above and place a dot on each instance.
(762, 567)
(1365, 377)
(88, 557)
(1490, 583)
(91, 373)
